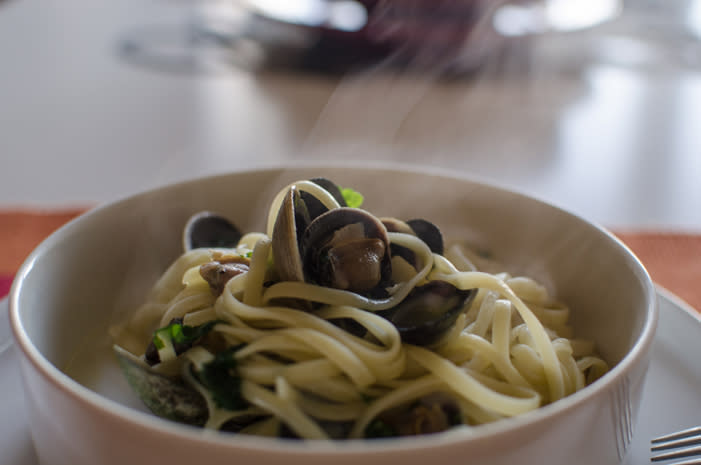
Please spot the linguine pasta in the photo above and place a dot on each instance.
(298, 369)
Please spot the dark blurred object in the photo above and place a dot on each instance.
(349, 34)
(429, 36)
(424, 35)
(320, 35)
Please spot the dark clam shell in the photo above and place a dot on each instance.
(208, 229)
(429, 233)
(429, 414)
(423, 229)
(167, 396)
(297, 210)
(332, 189)
(313, 205)
(347, 245)
(428, 312)
(396, 225)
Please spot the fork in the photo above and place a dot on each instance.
(687, 443)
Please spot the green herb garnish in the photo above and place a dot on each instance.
(221, 378)
(170, 341)
(160, 336)
(352, 197)
(178, 333)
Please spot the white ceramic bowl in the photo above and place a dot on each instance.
(88, 273)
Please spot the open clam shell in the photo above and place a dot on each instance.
(292, 217)
(428, 312)
(347, 248)
(208, 229)
(167, 396)
(429, 233)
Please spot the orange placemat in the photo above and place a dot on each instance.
(672, 259)
(20, 232)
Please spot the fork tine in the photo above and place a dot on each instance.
(686, 462)
(696, 430)
(678, 454)
(687, 439)
(674, 443)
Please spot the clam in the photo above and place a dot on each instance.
(346, 248)
(429, 414)
(218, 272)
(159, 376)
(396, 225)
(314, 206)
(292, 217)
(423, 229)
(428, 312)
(332, 188)
(297, 210)
(429, 233)
(168, 396)
(208, 229)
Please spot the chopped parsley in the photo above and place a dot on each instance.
(178, 333)
(352, 197)
(170, 341)
(220, 376)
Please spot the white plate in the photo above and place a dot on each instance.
(671, 399)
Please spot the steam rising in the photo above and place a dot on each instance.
(429, 42)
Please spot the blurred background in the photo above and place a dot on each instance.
(590, 104)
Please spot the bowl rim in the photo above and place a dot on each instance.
(140, 419)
